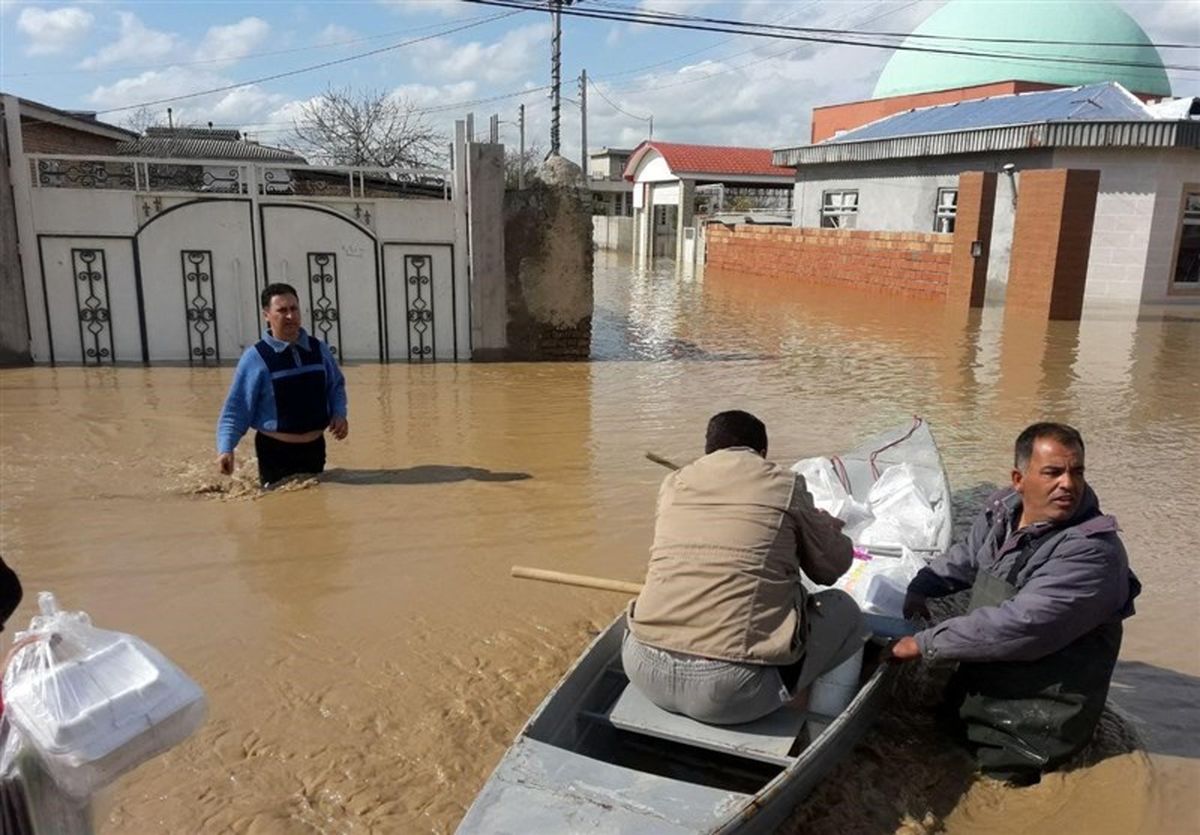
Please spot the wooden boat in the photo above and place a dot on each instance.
(597, 757)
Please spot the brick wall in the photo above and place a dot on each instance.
(976, 207)
(1052, 237)
(47, 138)
(910, 263)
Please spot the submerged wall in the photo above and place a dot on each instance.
(911, 263)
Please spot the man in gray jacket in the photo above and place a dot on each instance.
(1050, 584)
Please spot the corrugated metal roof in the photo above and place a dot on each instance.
(1095, 102)
(1097, 115)
(216, 149)
(1125, 134)
(709, 159)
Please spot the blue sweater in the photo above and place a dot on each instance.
(251, 399)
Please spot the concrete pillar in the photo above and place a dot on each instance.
(485, 195)
(16, 227)
(685, 215)
(972, 238)
(1052, 236)
(548, 267)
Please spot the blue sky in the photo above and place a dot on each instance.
(700, 87)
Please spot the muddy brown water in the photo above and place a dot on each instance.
(367, 657)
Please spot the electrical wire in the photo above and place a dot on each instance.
(250, 56)
(736, 27)
(310, 68)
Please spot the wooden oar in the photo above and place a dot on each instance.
(561, 577)
(658, 459)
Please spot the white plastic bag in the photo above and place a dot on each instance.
(829, 494)
(902, 506)
(93, 703)
(31, 803)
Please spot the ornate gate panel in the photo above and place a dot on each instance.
(91, 290)
(421, 301)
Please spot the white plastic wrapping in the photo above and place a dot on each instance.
(94, 704)
(878, 583)
(829, 495)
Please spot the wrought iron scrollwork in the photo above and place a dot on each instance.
(418, 295)
(200, 306)
(97, 174)
(323, 297)
(90, 271)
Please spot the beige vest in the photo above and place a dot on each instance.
(731, 535)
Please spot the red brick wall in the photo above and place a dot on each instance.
(1052, 236)
(976, 206)
(48, 138)
(912, 263)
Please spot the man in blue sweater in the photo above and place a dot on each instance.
(289, 388)
(1050, 585)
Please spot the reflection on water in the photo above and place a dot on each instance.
(366, 655)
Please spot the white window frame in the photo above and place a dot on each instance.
(1189, 218)
(945, 213)
(836, 211)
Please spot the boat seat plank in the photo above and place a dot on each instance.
(767, 740)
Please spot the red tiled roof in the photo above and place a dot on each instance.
(709, 159)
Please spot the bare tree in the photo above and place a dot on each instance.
(143, 118)
(514, 162)
(366, 127)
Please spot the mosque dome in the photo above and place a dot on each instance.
(1084, 21)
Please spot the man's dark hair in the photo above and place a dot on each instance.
(1068, 436)
(277, 289)
(734, 428)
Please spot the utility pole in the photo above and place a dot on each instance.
(583, 150)
(521, 159)
(651, 126)
(555, 74)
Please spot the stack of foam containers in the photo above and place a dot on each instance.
(100, 714)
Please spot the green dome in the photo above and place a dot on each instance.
(1087, 21)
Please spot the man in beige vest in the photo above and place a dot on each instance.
(723, 630)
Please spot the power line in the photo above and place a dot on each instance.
(755, 30)
(614, 105)
(633, 10)
(311, 67)
(250, 56)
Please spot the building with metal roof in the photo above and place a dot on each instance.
(900, 173)
(203, 143)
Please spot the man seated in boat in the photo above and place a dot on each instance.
(1050, 584)
(723, 631)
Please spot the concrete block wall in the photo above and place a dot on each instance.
(908, 263)
(1052, 237)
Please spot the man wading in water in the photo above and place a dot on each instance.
(1050, 584)
(289, 388)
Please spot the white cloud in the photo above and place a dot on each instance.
(674, 6)
(136, 43)
(446, 8)
(333, 33)
(245, 104)
(505, 60)
(235, 41)
(55, 30)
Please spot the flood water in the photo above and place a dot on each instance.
(367, 657)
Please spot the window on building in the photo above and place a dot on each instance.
(1187, 259)
(946, 210)
(839, 209)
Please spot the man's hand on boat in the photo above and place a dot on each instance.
(905, 649)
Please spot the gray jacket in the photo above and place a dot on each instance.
(1071, 584)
